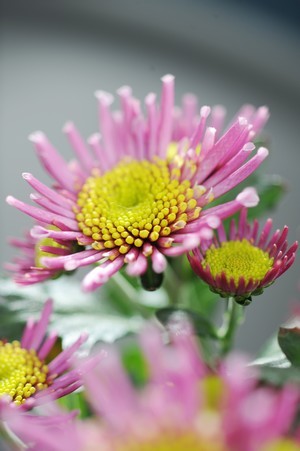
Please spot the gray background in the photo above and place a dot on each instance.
(55, 54)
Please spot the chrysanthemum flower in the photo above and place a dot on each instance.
(181, 407)
(26, 375)
(53, 431)
(27, 267)
(245, 262)
(138, 196)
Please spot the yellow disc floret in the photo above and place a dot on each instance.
(136, 201)
(238, 259)
(39, 254)
(175, 441)
(22, 373)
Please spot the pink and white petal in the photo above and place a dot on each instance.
(101, 274)
(166, 110)
(47, 192)
(52, 161)
(241, 173)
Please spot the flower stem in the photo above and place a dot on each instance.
(129, 294)
(173, 285)
(233, 316)
(10, 439)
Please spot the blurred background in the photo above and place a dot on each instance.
(54, 55)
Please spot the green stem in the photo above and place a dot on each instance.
(10, 439)
(172, 284)
(233, 316)
(129, 294)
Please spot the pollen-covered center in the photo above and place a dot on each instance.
(238, 259)
(46, 242)
(22, 373)
(137, 201)
(190, 441)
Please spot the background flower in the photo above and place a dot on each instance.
(182, 404)
(27, 267)
(27, 375)
(243, 262)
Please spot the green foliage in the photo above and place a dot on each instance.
(289, 342)
(76, 401)
(74, 311)
(135, 364)
(202, 327)
(274, 366)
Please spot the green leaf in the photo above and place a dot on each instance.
(76, 401)
(279, 376)
(289, 342)
(201, 325)
(274, 367)
(200, 298)
(271, 189)
(271, 355)
(74, 312)
(135, 364)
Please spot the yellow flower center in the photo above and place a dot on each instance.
(282, 445)
(39, 254)
(175, 442)
(22, 373)
(238, 259)
(136, 201)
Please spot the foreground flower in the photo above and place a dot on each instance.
(245, 262)
(138, 197)
(26, 376)
(51, 432)
(182, 406)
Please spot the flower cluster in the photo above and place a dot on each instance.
(138, 195)
(183, 405)
(28, 376)
(135, 195)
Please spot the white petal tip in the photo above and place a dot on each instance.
(104, 97)
(248, 147)
(68, 127)
(213, 221)
(242, 121)
(71, 265)
(205, 111)
(124, 91)
(35, 196)
(263, 152)
(150, 98)
(36, 137)
(206, 233)
(26, 175)
(264, 110)
(94, 139)
(191, 242)
(248, 197)
(168, 78)
(10, 200)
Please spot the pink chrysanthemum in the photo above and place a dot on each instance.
(27, 267)
(138, 196)
(26, 375)
(245, 262)
(183, 406)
